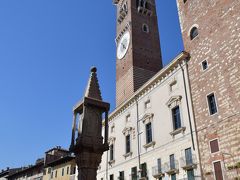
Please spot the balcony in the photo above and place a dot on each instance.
(157, 172)
(188, 163)
(171, 168)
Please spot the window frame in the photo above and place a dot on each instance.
(144, 25)
(121, 175)
(203, 66)
(128, 143)
(178, 120)
(222, 166)
(148, 130)
(211, 148)
(190, 160)
(194, 32)
(172, 160)
(134, 174)
(143, 169)
(111, 152)
(215, 100)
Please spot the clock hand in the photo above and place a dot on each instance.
(124, 47)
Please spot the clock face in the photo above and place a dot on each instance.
(123, 45)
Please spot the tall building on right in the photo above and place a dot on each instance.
(211, 34)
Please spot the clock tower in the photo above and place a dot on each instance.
(138, 46)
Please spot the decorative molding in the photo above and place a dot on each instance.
(111, 140)
(151, 144)
(127, 130)
(177, 131)
(174, 101)
(127, 154)
(111, 162)
(148, 117)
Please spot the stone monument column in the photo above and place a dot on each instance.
(89, 144)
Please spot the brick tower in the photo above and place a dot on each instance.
(138, 46)
(211, 34)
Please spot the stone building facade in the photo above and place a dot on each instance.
(148, 138)
(211, 34)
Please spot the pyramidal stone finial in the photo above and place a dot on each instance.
(93, 89)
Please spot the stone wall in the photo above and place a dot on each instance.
(218, 42)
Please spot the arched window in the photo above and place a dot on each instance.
(137, 3)
(184, 1)
(193, 33)
(145, 28)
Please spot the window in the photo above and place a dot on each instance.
(176, 118)
(73, 170)
(159, 163)
(218, 170)
(111, 177)
(193, 33)
(173, 86)
(51, 175)
(67, 170)
(111, 148)
(149, 133)
(144, 170)
(190, 174)
(188, 156)
(121, 175)
(172, 161)
(173, 177)
(147, 104)
(145, 28)
(142, 3)
(134, 173)
(128, 118)
(62, 171)
(112, 128)
(212, 104)
(214, 146)
(128, 144)
(204, 65)
(55, 173)
(184, 1)
(49, 170)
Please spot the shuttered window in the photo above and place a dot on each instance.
(214, 146)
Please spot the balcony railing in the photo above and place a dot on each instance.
(157, 172)
(171, 168)
(188, 163)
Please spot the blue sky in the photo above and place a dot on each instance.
(46, 51)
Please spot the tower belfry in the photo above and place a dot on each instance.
(138, 46)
